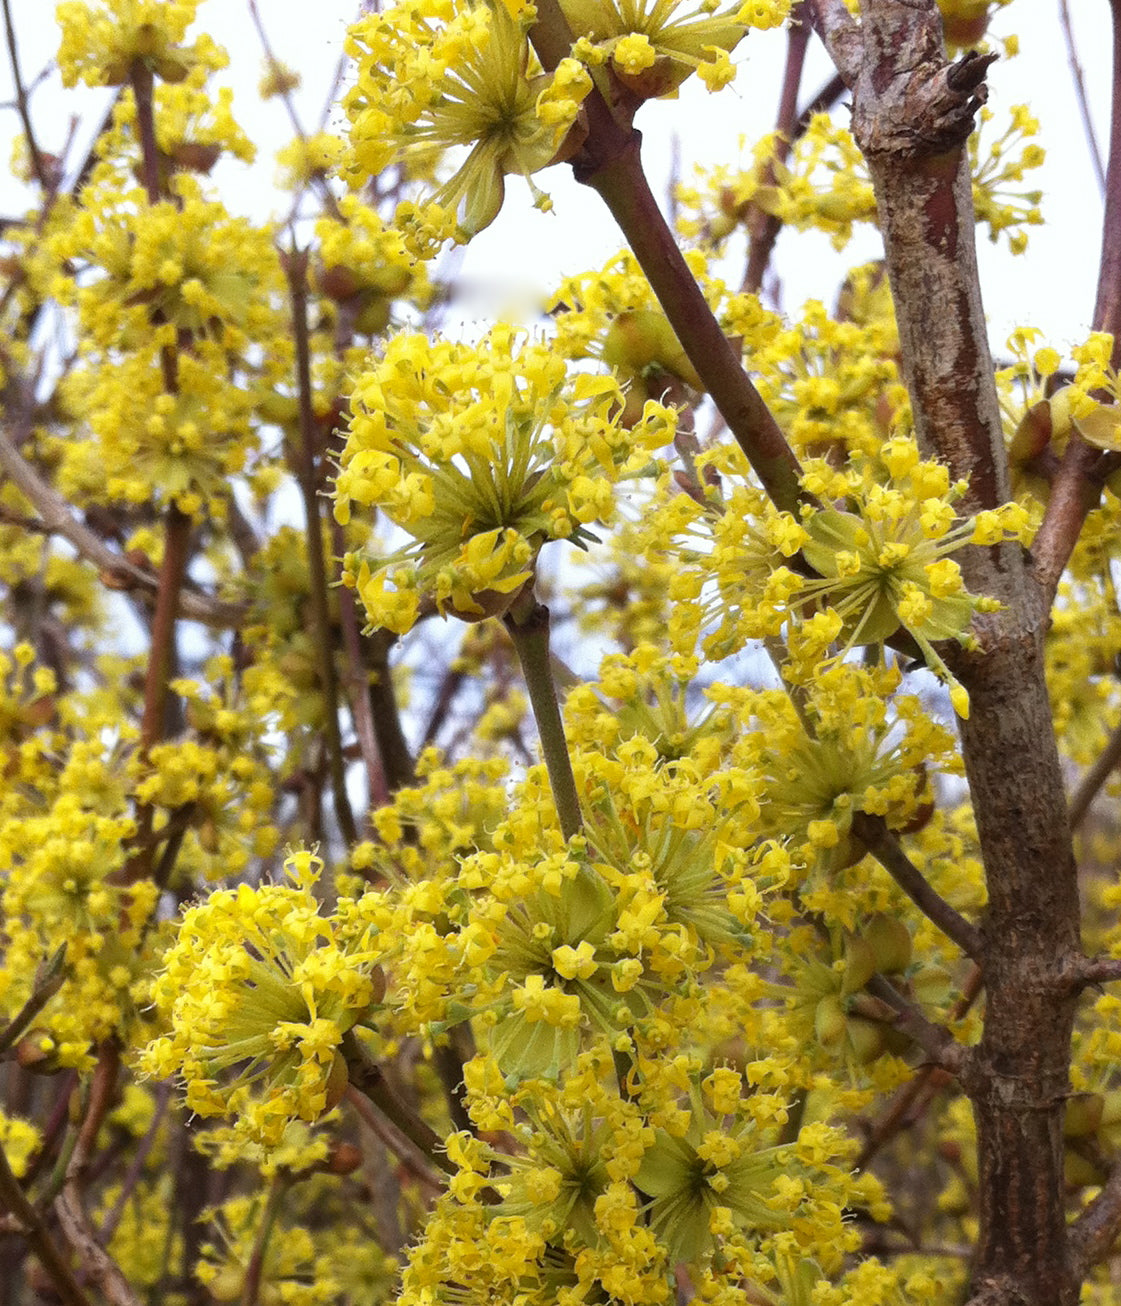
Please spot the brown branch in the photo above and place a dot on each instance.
(609, 162)
(1086, 972)
(1075, 490)
(912, 115)
(1077, 487)
(31, 1226)
(873, 833)
(1095, 1230)
(840, 34)
(1080, 94)
(367, 1077)
(69, 1206)
(22, 108)
(358, 683)
(935, 1040)
(393, 748)
(295, 266)
(764, 227)
(1089, 787)
(1107, 309)
(915, 1096)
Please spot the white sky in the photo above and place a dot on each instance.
(516, 262)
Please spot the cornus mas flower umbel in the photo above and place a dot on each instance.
(435, 75)
(258, 990)
(884, 558)
(480, 454)
(654, 45)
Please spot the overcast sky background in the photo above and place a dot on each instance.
(513, 265)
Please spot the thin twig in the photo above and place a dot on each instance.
(295, 265)
(1090, 785)
(1092, 1234)
(51, 977)
(1080, 94)
(874, 834)
(69, 1207)
(609, 162)
(935, 1040)
(764, 227)
(59, 520)
(31, 1226)
(367, 1077)
(914, 1096)
(22, 108)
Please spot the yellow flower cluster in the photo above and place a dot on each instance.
(998, 170)
(824, 184)
(365, 264)
(102, 41)
(654, 45)
(481, 454)
(882, 561)
(258, 990)
(179, 275)
(436, 75)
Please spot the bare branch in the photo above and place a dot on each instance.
(1088, 971)
(609, 162)
(1091, 784)
(1075, 490)
(874, 834)
(764, 227)
(1080, 94)
(307, 472)
(1107, 309)
(840, 34)
(38, 164)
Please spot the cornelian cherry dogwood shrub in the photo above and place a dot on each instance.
(558, 813)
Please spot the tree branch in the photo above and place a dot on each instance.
(764, 227)
(840, 34)
(936, 1041)
(1091, 783)
(874, 834)
(1107, 309)
(912, 115)
(1094, 1231)
(1077, 487)
(295, 264)
(1080, 94)
(609, 162)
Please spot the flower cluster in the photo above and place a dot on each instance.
(102, 41)
(653, 46)
(481, 454)
(258, 990)
(882, 560)
(433, 78)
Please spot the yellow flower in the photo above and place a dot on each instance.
(259, 989)
(654, 45)
(433, 78)
(101, 42)
(480, 454)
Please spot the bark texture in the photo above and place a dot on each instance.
(912, 114)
